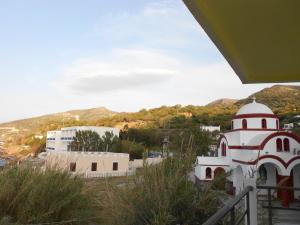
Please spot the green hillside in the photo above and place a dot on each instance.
(282, 99)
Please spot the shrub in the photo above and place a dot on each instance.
(160, 195)
(30, 195)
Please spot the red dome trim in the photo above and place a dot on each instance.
(255, 115)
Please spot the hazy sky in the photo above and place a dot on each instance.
(57, 55)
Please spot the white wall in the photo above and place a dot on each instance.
(139, 163)
(61, 160)
(255, 123)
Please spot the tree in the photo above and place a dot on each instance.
(90, 141)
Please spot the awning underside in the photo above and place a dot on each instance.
(259, 39)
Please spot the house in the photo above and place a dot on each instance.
(59, 140)
(210, 128)
(89, 164)
(255, 147)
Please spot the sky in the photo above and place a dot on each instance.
(126, 55)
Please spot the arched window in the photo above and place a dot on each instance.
(208, 173)
(277, 124)
(232, 125)
(264, 123)
(223, 148)
(244, 124)
(279, 145)
(286, 145)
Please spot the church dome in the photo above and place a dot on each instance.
(254, 108)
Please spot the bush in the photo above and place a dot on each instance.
(160, 195)
(135, 150)
(29, 195)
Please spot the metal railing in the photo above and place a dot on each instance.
(230, 209)
(270, 198)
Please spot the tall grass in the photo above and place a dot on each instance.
(160, 195)
(29, 195)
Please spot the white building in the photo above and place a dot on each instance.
(59, 140)
(255, 147)
(90, 164)
(210, 128)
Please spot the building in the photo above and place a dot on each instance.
(59, 140)
(255, 147)
(210, 128)
(90, 164)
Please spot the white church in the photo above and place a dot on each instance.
(255, 147)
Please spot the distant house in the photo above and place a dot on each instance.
(210, 128)
(288, 126)
(2, 163)
(59, 140)
(90, 164)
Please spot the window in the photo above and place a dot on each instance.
(277, 124)
(223, 149)
(72, 167)
(208, 173)
(264, 123)
(94, 166)
(286, 144)
(279, 145)
(115, 166)
(244, 124)
(232, 125)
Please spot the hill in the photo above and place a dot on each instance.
(282, 99)
(223, 101)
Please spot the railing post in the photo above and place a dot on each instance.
(232, 216)
(251, 202)
(270, 206)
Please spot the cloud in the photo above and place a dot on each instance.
(121, 69)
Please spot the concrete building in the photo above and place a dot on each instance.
(255, 147)
(90, 164)
(59, 140)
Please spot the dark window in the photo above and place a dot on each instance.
(279, 145)
(94, 166)
(115, 166)
(232, 125)
(277, 124)
(264, 123)
(208, 172)
(286, 145)
(223, 148)
(244, 124)
(73, 167)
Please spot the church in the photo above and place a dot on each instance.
(255, 147)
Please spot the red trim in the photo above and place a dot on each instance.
(280, 133)
(220, 139)
(255, 115)
(237, 147)
(252, 129)
(212, 165)
(265, 141)
(285, 164)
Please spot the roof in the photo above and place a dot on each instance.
(254, 108)
(259, 39)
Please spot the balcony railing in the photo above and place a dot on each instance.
(229, 209)
(267, 204)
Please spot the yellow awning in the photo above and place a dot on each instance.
(259, 38)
